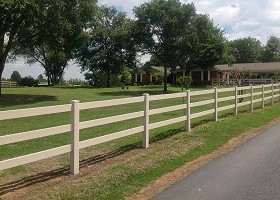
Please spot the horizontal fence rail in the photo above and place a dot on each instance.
(239, 96)
(8, 84)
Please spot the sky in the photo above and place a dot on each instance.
(238, 18)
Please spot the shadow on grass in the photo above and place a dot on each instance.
(65, 171)
(23, 99)
(133, 93)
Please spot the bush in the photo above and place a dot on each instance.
(125, 77)
(28, 81)
(159, 77)
(185, 82)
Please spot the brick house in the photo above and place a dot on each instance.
(205, 77)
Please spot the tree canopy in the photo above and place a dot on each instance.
(18, 23)
(203, 45)
(63, 36)
(161, 23)
(111, 45)
(271, 52)
(246, 50)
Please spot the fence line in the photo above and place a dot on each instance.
(220, 81)
(8, 84)
(268, 92)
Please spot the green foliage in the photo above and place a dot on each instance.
(203, 45)
(15, 76)
(98, 78)
(159, 77)
(18, 23)
(271, 52)
(276, 77)
(110, 46)
(247, 50)
(125, 77)
(160, 25)
(28, 81)
(185, 82)
(63, 23)
(228, 55)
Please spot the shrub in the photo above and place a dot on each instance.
(28, 81)
(125, 77)
(185, 82)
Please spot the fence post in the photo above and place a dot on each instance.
(216, 104)
(263, 96)
(188, 110)
(252, 98)
(145, 140)
(279, 91)
(236, 101)
(75, 132)
(272, 93)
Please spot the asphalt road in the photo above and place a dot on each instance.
(250, 172)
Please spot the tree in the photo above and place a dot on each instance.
(15, 76)
(161, 23)
(247, 50)
(64, 35)
(271, 52)
(18, 23)
(203, 44)
(111, 45)
(240, 76)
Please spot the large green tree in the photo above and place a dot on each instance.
(65, 33)
(203, 44)
(111, 45)
(160, 24)
(247, 50)
(18, 23)
(271, 52)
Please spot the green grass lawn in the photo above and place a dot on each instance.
(205, 139)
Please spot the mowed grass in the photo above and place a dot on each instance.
(127, 177)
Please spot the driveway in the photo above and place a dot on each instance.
(250, 172)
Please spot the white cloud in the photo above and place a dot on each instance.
(259, 18)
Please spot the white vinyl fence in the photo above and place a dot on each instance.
(8, 84)
(257, 94)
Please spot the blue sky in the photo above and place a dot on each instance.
(239, 18)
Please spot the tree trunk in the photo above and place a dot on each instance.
(108, 77)
(1, 72)
(2, 66)
(165, 79)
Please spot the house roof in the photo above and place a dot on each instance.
(252, 67)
